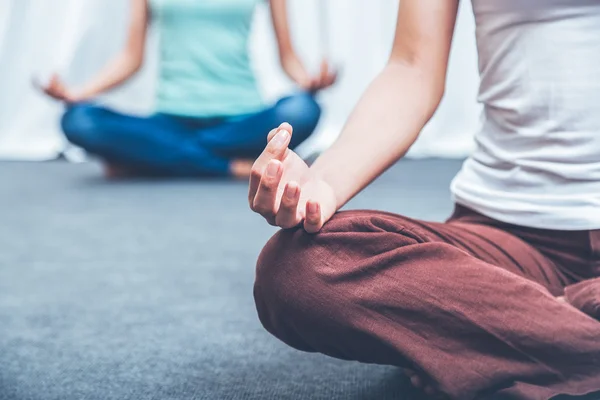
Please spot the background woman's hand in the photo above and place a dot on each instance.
(296, 71)
(57, 89)
(285, 191)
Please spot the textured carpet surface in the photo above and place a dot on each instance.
(143, 289)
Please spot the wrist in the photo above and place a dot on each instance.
(291, 65)
(75, 96)
(79, 95)
(331, 202)
(335, 176)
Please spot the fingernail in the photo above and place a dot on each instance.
(313, 208)
(272, 170)
(280, 138)
(291, 192)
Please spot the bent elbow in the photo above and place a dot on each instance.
(437, 94)
(136, 63)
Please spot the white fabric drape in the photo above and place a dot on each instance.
(76, 37)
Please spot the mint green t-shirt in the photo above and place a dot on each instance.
(204, 65)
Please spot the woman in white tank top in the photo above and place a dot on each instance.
(537, 161)
(501, 301)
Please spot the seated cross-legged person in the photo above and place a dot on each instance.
(501, 301)
(210, 118)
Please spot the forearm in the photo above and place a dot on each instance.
(282, 32)
(385, 123)
(112, 75)
(128, 62)
(381, 129)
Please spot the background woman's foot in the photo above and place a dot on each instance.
(116, 171)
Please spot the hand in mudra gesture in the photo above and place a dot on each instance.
(285, 191)
(58, 90)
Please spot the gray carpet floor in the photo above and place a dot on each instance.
(143, 289)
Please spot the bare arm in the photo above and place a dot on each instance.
(290, 62)
(281, 28)
(119, 69)
(384, 124)
(398, 103)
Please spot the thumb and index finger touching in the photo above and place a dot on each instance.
(53, 87)
(276, 149)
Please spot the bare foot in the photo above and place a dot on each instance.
(115, 171)
(421, 383)
(240, 169)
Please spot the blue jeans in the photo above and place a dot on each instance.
(182, 146)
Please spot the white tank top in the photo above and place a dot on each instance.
(537, 161)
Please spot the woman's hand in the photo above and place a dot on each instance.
(123, 66)
(59, 91)
(290, 62)
(285, 191)
(296, 71)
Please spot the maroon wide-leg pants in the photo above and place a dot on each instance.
(470, 304)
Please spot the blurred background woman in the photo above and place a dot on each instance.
(210, 119)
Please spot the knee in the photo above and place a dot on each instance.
(302, 111)
(282, 271)
(297, 271)
(80, 126)
(288, 286)
(306, 284)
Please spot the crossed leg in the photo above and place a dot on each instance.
(178, 146)
(469, 307)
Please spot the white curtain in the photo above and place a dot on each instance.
(76, 37)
